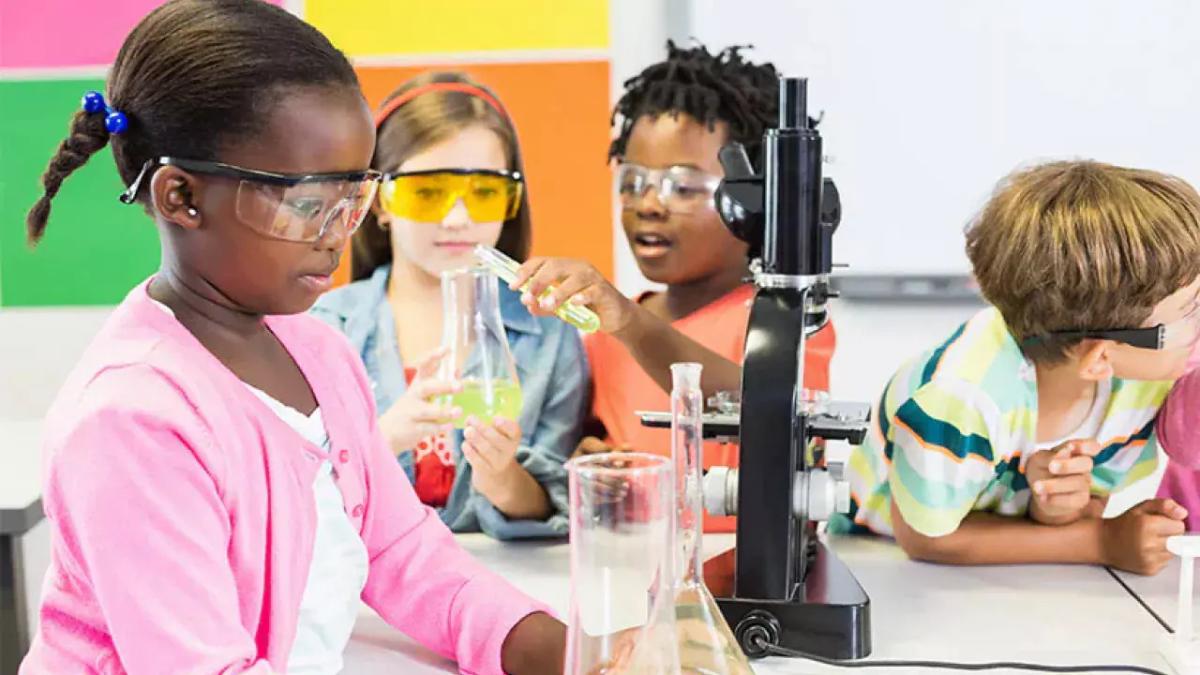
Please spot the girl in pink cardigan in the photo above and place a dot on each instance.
(219, 495)
(1178, 431)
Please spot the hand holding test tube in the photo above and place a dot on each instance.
(506, 268)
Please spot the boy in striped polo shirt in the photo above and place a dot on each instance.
(1002, 444)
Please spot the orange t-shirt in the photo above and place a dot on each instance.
(620, 387)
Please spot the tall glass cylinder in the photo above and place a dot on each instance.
(622, 598)
(705, 643)
(477, 348)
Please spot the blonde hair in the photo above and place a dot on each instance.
(431, 118)
(1083, 245)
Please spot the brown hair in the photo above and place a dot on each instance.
(191, 76)
(1083, 245)
(431, 118)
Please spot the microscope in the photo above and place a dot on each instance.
(788, 589)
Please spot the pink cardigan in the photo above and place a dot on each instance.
(1178, 431)
(182, 513)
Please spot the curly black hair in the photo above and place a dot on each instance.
(711, 88)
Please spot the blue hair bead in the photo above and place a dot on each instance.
(116, 122)
(93, 102)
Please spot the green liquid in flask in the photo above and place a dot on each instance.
(503, 399)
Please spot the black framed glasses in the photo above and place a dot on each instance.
(290, 207)
(1179, 334)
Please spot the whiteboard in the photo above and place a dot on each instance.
(928, 103)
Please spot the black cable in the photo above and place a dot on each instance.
(1140, 600)
(950, 665)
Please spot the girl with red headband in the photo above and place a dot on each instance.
(443, 135)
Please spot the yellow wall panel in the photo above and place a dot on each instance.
(395, 27)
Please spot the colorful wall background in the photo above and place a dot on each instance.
(548, 60)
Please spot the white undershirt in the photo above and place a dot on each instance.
(338, 572)
(1089, 429)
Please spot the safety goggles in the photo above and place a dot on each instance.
(428, 196)
(1182, 333)
(680, 189)
(291, 207)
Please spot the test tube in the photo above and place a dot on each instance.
(1187, 547)
(506, 268)
(1183, 630)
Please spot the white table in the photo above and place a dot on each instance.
(20, 518)
(1158, 593)
(1055, 614)
(1062, 615)
(1049, 614)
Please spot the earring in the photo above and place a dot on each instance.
(191, 211)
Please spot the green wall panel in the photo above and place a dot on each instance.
(95, 248)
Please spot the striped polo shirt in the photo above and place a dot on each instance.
(951, 431)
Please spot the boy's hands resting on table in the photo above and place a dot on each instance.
(1136, 541)
(1061, 481)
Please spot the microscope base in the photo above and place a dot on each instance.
(831, 618)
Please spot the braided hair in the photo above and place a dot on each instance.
(192, 76)
(711, 88)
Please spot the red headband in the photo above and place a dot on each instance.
(461, 87)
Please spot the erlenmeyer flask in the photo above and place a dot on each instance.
(706, 645)
(477, 348)
(622, 599)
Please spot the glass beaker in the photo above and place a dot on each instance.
(621, 618)
(705, 643)
(477, 348)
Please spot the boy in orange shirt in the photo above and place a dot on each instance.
(673, 120)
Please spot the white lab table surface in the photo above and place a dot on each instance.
(1050, 614)
(1063, 615)
(1159, 593)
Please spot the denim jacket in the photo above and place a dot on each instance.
(554, 380)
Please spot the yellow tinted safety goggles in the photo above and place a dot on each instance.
(428, 196)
